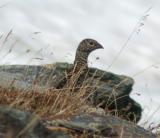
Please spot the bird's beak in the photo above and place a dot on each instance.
(100, 46)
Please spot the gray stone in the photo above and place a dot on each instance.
(105, 126)
(27, 77)
(17, 124)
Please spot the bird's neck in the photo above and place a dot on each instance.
(81, 60)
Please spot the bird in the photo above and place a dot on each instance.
(83, 51)
(80, 66)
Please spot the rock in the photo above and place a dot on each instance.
(28, 77)
(111, 91)
(103, 126)
(17, 124)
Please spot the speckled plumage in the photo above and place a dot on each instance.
(85, 47)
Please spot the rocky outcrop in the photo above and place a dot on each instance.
(109, 91)
(27, 77)
(18, 124)
(103, 126)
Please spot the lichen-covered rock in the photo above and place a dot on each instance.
(109, 90)
(27, 77)
(17, 124)
(103, 126)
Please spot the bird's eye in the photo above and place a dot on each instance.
(91, 43)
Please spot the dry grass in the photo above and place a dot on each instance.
(66, 101)
(55, 103)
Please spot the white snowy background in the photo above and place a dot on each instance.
(47, 31)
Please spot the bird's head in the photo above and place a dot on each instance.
(89, 45)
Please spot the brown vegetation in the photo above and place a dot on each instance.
(55, 103)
